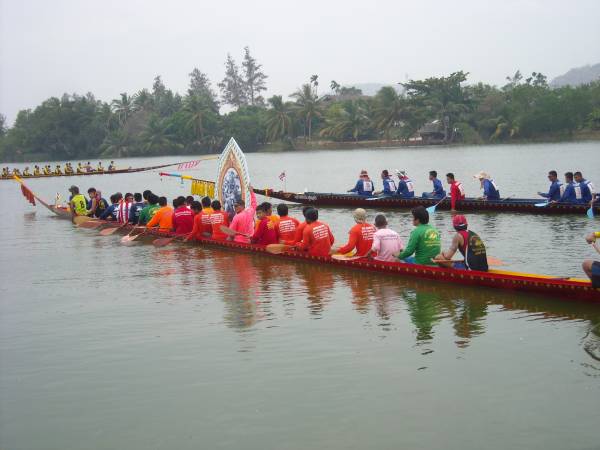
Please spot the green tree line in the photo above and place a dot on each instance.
(160, 121)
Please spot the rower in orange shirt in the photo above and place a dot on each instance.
(218, 219)
(361, 235)
(286, 226)
(316, 237)
(163, 217)
(202, 226)
(299, 229)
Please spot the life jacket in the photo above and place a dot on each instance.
(79, 204)
(123, 211)
(577, 189)
(367, 186)
(391, 184)
(473, 251)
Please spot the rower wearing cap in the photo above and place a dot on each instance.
(490, 190)
(406, 188)
(389, 185)
(469, 244)
(77, 202)
(364, 185)
(592, 268)
(361, 235)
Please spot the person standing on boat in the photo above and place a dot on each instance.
(364, 185)
(136, 208)
(457, 191)
(317, 238)
(469, 244)
(588, 192)
(386, 242)
(556, 188)
(572, 192)
(389, 185)
(424, 241)
(592, 268)
(77, 202)
(163, 218)
(183, 217)
(490, 190)
(266, 231)
(286, 225)
(406, 188)
(438, 188)
(361, 235)
(243, 221)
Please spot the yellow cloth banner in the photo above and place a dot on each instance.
(203, 188)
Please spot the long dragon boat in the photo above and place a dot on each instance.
(563, 287)
(519, 205)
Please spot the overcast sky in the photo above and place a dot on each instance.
(48, 47)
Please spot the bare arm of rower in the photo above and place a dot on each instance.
(457, 240)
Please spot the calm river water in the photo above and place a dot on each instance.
(110, 347)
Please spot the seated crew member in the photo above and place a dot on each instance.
(592, 268)
(188, 201)
(424, 241)
(112, 166)
(149, 210)
(124, 208)
(88, 167)
(197, 229)
(100, 168)
(36, 171)
(243, 221)
(16, 172)
(77, 202)
(317, 238)
(361, 235)
(457, 191)
(110, 213)
(218, 219)
(163, 217)
(490, 190)
(469, 244)
(183, 217)
(286, 225)
(438, 189)
(26, 172)
(556, 188)
(5, 172)
(96, 205)
(80, 168)
(266, 231)
(57, 171)
(572, 192)
(588, 191)
(386, 242)
(136, 208)
(69, 169)
(389, 185)
(364, 185)
(406, 188)
(204, 221)
(300, 229)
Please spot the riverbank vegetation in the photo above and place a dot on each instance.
(434, 110)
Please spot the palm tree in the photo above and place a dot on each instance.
(314, 80)
(196, 109)
(347, 118)
(122, 107)
(117, 144)
(142, 100)
(308, 106)
(156, 138)
(389, 110)
(335, 87)
(279, 121)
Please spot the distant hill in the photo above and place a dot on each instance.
(577, 76)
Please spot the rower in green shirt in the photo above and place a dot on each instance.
(424, 240)
(149, 210)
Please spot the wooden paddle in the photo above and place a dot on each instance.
(161, 242)
(91, 224)
(229, 232)
(109, 231)
(431, 209)
(490, 260)
(133, 238)
(339, 257)
(78, 220)
(277, 249)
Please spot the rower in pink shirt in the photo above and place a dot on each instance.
(386, 243)
(243, 221)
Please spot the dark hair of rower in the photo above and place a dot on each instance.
(380, 221)
(569, 176)
(90, 190)
(216, 205)
(146, 194)
(553, 173)
(128, 195)
(450, 175)
(114, 198)
(312, 215)
(175, 202)
(385, 173)
(153, 199)
(162, 201)
(119, 196)
(282, 209)
(304, 209)
(433, 173)
(420, 213)
(577, 174)
(266, 206)
(189, 200)
(137, 197)
(196, 206)
(239, 202)
(206, 202)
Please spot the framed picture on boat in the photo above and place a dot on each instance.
(233, 177)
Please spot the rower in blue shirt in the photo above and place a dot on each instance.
(587, 188)
(364, 185)
(136, 208)
(438, 188)
(572, 192)
(406, 188)
(110, 213)
(389, 185)
(490, 190)
(555, 191)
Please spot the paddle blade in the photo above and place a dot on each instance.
(161, 242)
(338, 257)
(495, 261)
(78, 220)
(541, 205)
(590, 213)
(431, 209)
(108, 231)
(91, 224)
(277, 249)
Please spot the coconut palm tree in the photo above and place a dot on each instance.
(279, 120)
(308, 106)
(196, 108)
(156, 138)
(389, 110)
(118, 144)
(349, 118)
(335, 87)
(142, 100)
(314, 80)
(122, 107)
